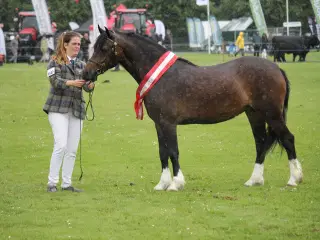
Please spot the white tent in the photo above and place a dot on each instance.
(2, 43)
(160, 29)
(239, 24)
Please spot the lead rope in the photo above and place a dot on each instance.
(92, 110)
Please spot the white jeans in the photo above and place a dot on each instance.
(66, 131)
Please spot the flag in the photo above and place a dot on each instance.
(192, 33)
(215, 30)
(258, 17)
(316, 9)
(99, 16)
(2, 43)
(199, 32)
(43, 19)
(202, 2)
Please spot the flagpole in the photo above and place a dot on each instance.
(287, 11)
(209, 28)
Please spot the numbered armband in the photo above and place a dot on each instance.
(51, 71)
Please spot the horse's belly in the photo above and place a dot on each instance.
(203, 115)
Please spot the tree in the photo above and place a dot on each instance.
(172, 12)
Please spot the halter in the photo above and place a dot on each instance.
(103, 65)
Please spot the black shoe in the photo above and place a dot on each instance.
(72, 189)
(52, 189)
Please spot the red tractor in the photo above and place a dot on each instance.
(134, 20)
(29, 41)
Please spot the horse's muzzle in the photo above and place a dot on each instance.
(90, 75)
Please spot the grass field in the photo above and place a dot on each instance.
(121, 167)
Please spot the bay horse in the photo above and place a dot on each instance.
(191, 94)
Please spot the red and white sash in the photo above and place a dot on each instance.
(151, 78)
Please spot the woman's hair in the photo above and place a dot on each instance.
(61, 55)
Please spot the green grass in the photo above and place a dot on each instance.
(118, 150)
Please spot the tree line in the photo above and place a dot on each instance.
(172, 12)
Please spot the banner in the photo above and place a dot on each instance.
(215, 30)
(99, 16)
(43, 19)
(160, 28)
(2, 43)
(199, 31)
(192, 33)
(316, 9)
(258, 16)
(202, 2)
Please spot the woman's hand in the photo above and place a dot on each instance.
(75, 83)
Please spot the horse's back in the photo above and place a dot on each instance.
(210, 94)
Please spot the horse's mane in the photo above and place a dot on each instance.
(156, 45)
(146, 39)
(101, 39)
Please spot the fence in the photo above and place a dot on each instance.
(179, 44)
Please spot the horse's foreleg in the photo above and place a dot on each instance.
(172, 141)
(169, 132)
(165, 179)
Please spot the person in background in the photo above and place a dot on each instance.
(167, 42)
(14, 45)
(240, 44)
(85, 42)
(256, 44)
(65, 107)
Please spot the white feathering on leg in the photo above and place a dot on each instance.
(257, 176)
(165, 180)
(296, 174)
(177, 183)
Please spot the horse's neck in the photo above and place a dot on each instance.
(126, 63)
(138, 61)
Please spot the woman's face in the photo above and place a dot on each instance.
(73, 47)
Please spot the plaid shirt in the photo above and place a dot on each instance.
(62, 97)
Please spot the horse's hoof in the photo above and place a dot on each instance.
(296, 174)
(175, 186)
(161, 186)
(254, 182)
(165, 180)
(172, 187)
(257, 176)
(294, 181)
(177, 183)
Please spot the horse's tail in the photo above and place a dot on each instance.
(286, 99)
(274, 139)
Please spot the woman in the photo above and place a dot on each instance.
(65, 107)
(240, 44)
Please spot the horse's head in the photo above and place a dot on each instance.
(105, 56)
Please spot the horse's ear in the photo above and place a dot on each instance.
(107, 32)
(100, 30)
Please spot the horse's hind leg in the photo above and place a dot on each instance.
(287, 141)
(168, 147)
(258, 126)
